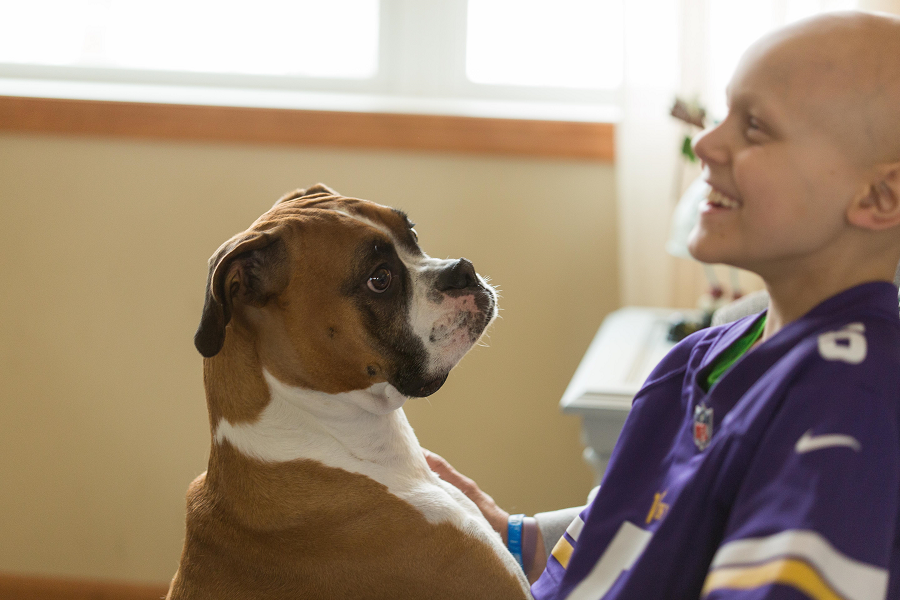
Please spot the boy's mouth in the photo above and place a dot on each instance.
(720, 200)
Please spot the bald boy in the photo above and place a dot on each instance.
(761, 459)
(805, 163)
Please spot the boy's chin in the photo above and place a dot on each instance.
(700, 250)
(706, 252)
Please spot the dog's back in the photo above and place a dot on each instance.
(341, 535)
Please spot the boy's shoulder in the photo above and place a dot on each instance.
(858, 326)
(850, 363)
(690, 351)
(855, 333)
(841, 358)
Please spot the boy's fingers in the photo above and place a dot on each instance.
(445, 471)
(435, 461)
(495, 515)
(439, 464)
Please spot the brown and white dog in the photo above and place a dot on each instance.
(320, 321)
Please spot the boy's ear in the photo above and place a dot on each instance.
(879, 207)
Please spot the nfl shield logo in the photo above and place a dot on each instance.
(703, 425)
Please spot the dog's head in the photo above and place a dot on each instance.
(335, 295)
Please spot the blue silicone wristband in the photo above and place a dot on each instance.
(514, 537)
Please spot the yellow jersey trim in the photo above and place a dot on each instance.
(791, 572)
(562, 552)
(845, 576)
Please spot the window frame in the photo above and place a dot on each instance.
(421, 74)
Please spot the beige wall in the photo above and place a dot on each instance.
(103, 248)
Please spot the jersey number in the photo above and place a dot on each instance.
(847, 344)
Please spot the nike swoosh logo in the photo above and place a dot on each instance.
(809, 442)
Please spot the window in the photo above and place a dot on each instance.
(512, 58)
(566, 43)
(271, 38)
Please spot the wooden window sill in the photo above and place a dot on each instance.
(520, 137)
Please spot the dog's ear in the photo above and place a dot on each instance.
(319, 188)
(249, 268)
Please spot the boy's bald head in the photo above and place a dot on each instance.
(805, 168)
(843, 69)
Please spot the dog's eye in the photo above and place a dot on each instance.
(415, 234)
(380, 280)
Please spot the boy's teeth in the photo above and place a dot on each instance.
(717, 198)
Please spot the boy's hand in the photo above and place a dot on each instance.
(495, 515)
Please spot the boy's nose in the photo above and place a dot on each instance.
(708, 146)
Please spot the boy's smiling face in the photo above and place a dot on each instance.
(791, 155)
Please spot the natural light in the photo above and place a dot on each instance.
(565, 43)
(565, 51)
(337, 38)
(733, 26)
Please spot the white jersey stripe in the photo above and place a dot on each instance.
(625, 548)
(574, 528)
(853, 579)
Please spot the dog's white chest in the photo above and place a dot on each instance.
(340, 431)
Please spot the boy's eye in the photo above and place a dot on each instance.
(755, 129)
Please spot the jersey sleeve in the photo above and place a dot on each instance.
(816, 513)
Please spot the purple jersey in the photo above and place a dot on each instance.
(782, 481)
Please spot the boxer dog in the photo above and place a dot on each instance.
(320, 321)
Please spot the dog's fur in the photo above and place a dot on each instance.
(317, 486)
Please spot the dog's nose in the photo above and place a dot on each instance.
(457, 276)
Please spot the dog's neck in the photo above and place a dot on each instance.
(358, 431)
(261, 425)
